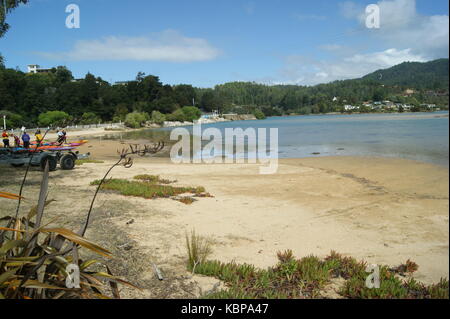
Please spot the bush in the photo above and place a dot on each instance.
(185, 114)
(89, 118)
(158, 117)
(136, 120)
(259, 114)
(178, 115)
(191, 113)
(12, 119)
(55, 118)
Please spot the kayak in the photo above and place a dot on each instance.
(38, 149)
(77, 143)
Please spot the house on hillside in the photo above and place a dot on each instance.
(408, 92)
(35, 68)
(350, 107)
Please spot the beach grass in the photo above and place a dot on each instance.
(309, 276)
(87, 160)
(152, 179)
(146, 189)
(198, 248)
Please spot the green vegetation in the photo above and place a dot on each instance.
(12, 119)
(198, 249)
(87, 160)
(136, 119)
(259, 114)
(308, 277)
(185, 114)
(146, 98)
(147, 187)
(56, 118)
(89, 118)
(158, 118)
(432, 75)
(34, 258)
(152, 179)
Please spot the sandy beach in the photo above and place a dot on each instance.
(384, 211)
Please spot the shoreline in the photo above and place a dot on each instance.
(101, 131)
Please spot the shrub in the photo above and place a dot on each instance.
(191, 113)
(55, 118)
(259, 114)
(185, 114)
(12, 119)
(158, 117)
(177, 115)
(89, 118)
(136, 120)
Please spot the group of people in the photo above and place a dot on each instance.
(26, 138)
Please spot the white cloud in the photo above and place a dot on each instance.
(169, 46)
(307, 71)
(404, 35)
(403, 27)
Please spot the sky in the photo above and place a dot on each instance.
(210, 42)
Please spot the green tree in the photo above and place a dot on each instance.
(259, 114)
(10, 5)
(158, 118)
(54, 118)
(136, 120)
(89, 118)
(191, 113)
(13, 120)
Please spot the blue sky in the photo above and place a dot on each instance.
(205, 42)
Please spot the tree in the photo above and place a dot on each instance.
(53, 118)
(158, 118)
(191, 113)
(13, 120)
(136, 120)
(259, 114)
(89, 118)
(10, 5)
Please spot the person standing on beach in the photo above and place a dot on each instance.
(60, 138)
(38, 136)
(5, 137)
(26, 139)
(16, 140)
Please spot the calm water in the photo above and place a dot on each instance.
(418, 136)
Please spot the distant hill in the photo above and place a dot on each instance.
(428, 75)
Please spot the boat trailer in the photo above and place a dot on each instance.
(65, 159)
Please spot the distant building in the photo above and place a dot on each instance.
(122, 82)
(335, 99)
(408, 92)
(350, 107)
(35, 68)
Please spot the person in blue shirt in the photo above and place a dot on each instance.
(26, 140)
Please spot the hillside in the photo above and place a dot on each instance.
(428, 75)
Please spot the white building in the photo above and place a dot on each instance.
(35, 68)
(350, 107)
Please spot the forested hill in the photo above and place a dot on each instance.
(428, 75)
(25, 97)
